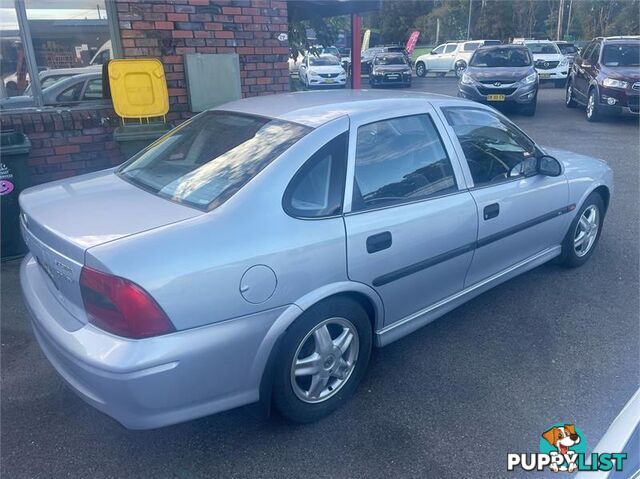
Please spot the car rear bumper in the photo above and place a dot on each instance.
(555, 74)
(522, 95)
(153, 382)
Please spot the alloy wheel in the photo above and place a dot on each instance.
(586, 231)
(325, 360)
(591, 105)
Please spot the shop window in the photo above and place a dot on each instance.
(68, 40)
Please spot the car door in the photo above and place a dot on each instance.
(432, 60)
(580, 82)
(411, 225)
(520, 213)
(445, 62)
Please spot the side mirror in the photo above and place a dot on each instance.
(549, 166)
(585, 64)
(432, 52)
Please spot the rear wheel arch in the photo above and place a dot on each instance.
(367, 298)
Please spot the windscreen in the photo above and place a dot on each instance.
(206, 160)
(543, 48)
(323, 61)
(501, 57)
(568, 49)
(390, 60)
(621, 55)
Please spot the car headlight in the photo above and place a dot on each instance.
(407, 72)
(564, 62)
(530, 78)
(466, 79)
(313, 73)
(613, 83)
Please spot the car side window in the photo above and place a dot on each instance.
(93, 90)
(70, 94)
(495, 149)
(450, 48)
(586, 52)
(594, 55)
(317, 189)
(439, 49)
(398, 161)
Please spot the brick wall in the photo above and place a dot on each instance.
(67, 143)
(170, 29)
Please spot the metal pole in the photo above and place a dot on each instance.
(469, 21)
(437, 30)
(356, 47)
(29, 52)
(569, 16)
(3, 90)
(560, 12)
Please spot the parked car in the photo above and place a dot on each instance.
(345, 58)
(317, 50)
(452, 56)
(54, 75)
(502, 74)
(551, 64)
(606, 77)
(83, 88)
(322, 71)
(390, 69)
(568, 49)
(258, 251)
(370, 53)
(623, 435)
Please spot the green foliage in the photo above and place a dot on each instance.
(326, 30)
(503, 19)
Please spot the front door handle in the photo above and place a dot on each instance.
(378, 242)
(491, 211)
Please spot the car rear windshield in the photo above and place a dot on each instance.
(390, 60)
(621, 55)
(501, 57)
(543, 48)
(207, 159)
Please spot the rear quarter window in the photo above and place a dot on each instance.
(207, 159)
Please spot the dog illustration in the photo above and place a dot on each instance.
(562, 438)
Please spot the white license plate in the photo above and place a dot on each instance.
(329, 80)
(392, 77)
(544, 76)
(495, 97)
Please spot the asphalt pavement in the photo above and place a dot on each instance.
(449, 401)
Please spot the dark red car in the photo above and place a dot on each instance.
(605, 77)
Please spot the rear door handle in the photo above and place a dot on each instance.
(378, 242)
(491, 211)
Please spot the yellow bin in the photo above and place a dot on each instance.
(138, 88)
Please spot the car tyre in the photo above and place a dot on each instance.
(459, 69)
(569, 101)
(593, 109)
(584, 233)
(421, 69)
(293, 394)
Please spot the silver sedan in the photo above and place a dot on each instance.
(260, 250)
(85, 88)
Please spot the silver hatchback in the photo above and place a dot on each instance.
(260, 250)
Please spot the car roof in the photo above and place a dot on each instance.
(319, 107)
(514, 46)
(620, 39)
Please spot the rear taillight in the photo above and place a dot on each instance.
(121, 307)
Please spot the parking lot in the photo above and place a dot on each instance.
(450, 400)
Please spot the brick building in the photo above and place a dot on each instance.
(71, 141)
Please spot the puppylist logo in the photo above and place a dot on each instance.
(563, 448)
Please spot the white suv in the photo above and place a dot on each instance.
(449, 56)
(548, 60)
